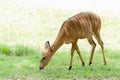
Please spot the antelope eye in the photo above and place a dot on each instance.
(44, 57)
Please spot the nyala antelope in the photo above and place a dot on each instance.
(80, 26)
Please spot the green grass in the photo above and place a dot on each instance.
(5, 49)
(16, 50)
(28, 66)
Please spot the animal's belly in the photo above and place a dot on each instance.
(82, 36)
(72, 40)
(67, 41)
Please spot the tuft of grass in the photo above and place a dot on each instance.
(17, 50)
(5, 49)
(21, 50)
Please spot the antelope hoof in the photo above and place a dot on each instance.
(70, 68)
(90, 63)
(104, 63)
(83, 64)
(41, 68)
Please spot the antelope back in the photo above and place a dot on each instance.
(82, 25)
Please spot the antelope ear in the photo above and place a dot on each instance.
(47, 45)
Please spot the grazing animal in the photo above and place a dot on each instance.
(80, 26)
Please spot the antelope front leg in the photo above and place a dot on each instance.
(72, 53)
(78, 51)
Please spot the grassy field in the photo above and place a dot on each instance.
(24, 31)
(27, 67)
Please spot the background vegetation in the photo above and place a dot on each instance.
(24, 30)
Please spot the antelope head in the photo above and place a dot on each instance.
(46, 56)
